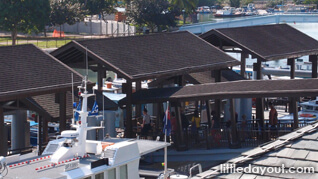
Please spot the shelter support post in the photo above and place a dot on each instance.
(313, 59)
(179, 80)
(180, 134)
(138, 106)
(259, 101)
(160, 111)
(3, 134)
(39, 139)
(234, 143)
(62, 102)
(217, 104)
(220, 44)
(208, 112)
(101, 73)
(291, 62)
(207, 132)
(159, 117)
(196, 105)
(45, 130)
(243, 63)
(128, 127)
(181, 145)
(20, 130)
(295, 112)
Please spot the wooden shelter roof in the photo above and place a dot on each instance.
(266, 42)
(200, 78)
(147, 56)
(28, 71)
(207, 77)
(226, 90)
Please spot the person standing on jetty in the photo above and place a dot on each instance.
(272, 116)
(146, 126)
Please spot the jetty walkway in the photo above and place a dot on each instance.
(259, 20)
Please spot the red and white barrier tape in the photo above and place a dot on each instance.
(56, 164)
(45, 167)
(65, 161)
(86, 156)
(30, 161)
(40, 159)
(18, 164)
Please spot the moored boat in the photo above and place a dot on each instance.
(71, 155)
(227, 12)
(308, 114)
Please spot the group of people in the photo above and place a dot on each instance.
(196, 123)
(146, 123)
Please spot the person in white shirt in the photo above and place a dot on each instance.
(146, 125)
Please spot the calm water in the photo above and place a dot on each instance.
(310, 29)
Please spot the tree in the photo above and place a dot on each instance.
(98, 6)
(311, 2)
(187, 5)
(235, 3)
(152, 13)
(206, 3)
(65, 11)
(273, 3)
(246, 2)
(25, 16)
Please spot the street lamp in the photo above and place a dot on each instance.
(183, 11)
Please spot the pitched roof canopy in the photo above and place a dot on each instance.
(207, 77)
(267, 42)
(226, 90)
(147, 56)
(27, 71)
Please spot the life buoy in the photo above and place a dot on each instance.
(307, 115)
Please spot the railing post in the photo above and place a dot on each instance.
(277, 19)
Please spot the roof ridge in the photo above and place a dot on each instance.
(19, 45)
(133, 36)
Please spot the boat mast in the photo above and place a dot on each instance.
(73, 97)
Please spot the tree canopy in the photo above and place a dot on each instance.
(235, 3)
(187, 5)
(67, 11)
(98, 6)
(25, 16)
(152, 13)
(206, 2)
(311, 2)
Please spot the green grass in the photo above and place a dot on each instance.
(45, 43)
(51, 43)
(4, 39)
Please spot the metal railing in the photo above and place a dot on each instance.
(54, 42)
(20, 151)
(248, 135)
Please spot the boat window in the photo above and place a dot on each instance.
(88, 178)
(112, 173)
(99, 176)
(316, 108)
(123, 172)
